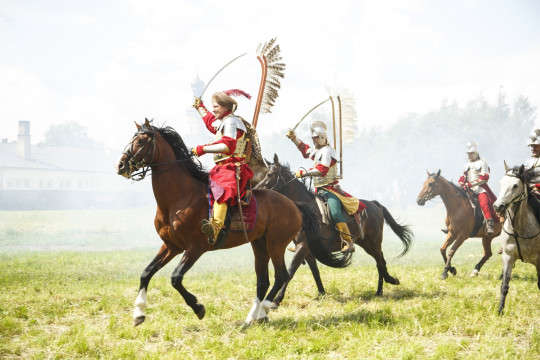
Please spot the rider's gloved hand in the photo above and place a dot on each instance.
(291, 135)
(197, 102)
(197, 151)
(300, 174)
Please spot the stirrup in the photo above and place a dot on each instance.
(210, 230)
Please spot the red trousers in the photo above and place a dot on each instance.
(485, 205)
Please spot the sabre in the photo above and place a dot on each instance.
(220, 70)
(316, 106)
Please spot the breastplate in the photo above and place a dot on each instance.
(330, 177)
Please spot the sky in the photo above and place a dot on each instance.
(106, 64)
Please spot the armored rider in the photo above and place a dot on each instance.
(532, 165)
(475, 177)
(325, 177)
(229, 148)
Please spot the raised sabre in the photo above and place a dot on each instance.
(220, 70)
(309, 112)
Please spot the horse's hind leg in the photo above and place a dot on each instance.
(263, 281)
(486, 243)
(190, 257)
(508, 263)
(163, 256)
(375, 251)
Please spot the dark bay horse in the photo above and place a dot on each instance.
(521, 232)
(460, 220)
(280, 178)
(180, 187)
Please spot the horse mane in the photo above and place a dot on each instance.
(181, 152)
(454, 186)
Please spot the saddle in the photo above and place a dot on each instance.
(233, 220)
(326, 215)
(534, 202)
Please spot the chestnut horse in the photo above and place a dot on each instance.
(460, 220)
(280, 178)
(181, 190)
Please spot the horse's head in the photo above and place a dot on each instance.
(513, 188)
(139, 152)
(272, 177)
(430, 189)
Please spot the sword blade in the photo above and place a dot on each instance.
(220, 70)
(302, 119)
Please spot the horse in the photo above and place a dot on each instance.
(521, 231)
(460, 220)
(280, 178)
(181, 189)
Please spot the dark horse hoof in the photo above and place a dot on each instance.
(453, 271)
(138, 320)
(200, 313)
(274, 306)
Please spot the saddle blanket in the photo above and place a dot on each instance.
(249, 211)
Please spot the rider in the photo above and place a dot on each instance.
(532, 165)
(325, 176)
(230, 158)
(475, 177)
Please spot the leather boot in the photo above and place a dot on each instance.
(345, 234)
(212, 227)
(489, 226)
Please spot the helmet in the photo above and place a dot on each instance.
(472, 147)
(318, 130)
(534, 138)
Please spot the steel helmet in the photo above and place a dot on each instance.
(472, 147)
(534, 138)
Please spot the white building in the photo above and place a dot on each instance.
(50, 177)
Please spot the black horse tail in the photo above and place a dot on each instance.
(315, 240)
(404, 232)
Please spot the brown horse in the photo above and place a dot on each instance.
(180, 187)
(460, 220)
(280, 178)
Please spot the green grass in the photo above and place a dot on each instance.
(75, 303)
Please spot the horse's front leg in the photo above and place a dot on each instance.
(298, 258)
(263, 281)
(486, 243)
(190, 257)
(450, 238)
(163, 256)
(508, 261)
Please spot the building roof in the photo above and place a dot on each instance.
(60, 158)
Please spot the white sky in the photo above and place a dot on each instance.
(108, 63)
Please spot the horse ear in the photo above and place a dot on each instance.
(137, 125)
(439, 173)
(146, 122)
(506, 168)
(276, 159)
(428, 174)
(521, 169)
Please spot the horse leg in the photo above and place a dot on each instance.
(450, 238)
(280, 278)
(190, 257)
(486, 243)
(263, 281)
(163, 256)
(298, 258)
(508, 264)
(374, 250)
(312, 262)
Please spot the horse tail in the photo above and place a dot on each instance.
(404, 232)
(315, 240)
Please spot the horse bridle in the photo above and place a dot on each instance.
(280, 177)
(144, 163)
(517, 199)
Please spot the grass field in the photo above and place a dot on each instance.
(69, 280)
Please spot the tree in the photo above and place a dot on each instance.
(69, 134)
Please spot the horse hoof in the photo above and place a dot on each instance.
(474, 273)
(378, 293)
(138, 320)
(274, 306)
(453, 271)
(201, 312)
(444, 276)
(263, 320)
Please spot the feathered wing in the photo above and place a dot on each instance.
(345, 102)
(270, 54)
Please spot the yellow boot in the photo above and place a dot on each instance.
(346, 236)
(211, 228)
